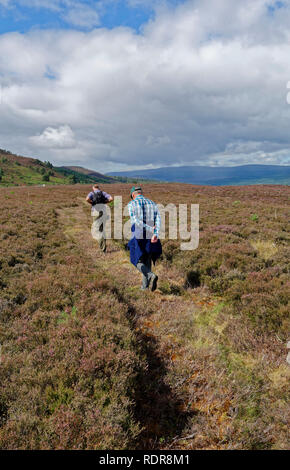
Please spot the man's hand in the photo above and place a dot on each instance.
(154, 239)
(89, 200)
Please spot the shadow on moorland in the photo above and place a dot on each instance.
(157, 408)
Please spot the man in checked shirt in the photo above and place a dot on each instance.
(144, 245)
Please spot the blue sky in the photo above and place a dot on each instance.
(25, 15)
(201, 82)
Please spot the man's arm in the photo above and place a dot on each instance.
(89, 200)
(132, 213)
(157, 225)
(157, 221)
(107, 196)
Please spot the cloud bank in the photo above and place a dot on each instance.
(202, 83)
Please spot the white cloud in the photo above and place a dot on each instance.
(204, 84)
(60, 138)
(76, 13)
(82, 15)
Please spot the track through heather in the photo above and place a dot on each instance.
(159, 409)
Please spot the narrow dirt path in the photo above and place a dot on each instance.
(161, 398)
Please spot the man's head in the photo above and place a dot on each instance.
(135, 191)
(96, 187)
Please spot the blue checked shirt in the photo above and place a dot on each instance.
(145, 214)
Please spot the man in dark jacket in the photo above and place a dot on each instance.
(95, 198)
(144, 245)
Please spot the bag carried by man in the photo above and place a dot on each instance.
(99, 198)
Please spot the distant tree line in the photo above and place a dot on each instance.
(5, 152)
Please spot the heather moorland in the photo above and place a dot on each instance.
(88, 361)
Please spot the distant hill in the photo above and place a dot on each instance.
(99, 177)
(90, 175)
(16, 170)
(215, 176)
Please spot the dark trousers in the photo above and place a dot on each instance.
(144, 266)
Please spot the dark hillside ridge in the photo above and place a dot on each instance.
(215, 176)
(88, 176)
(100, 178)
